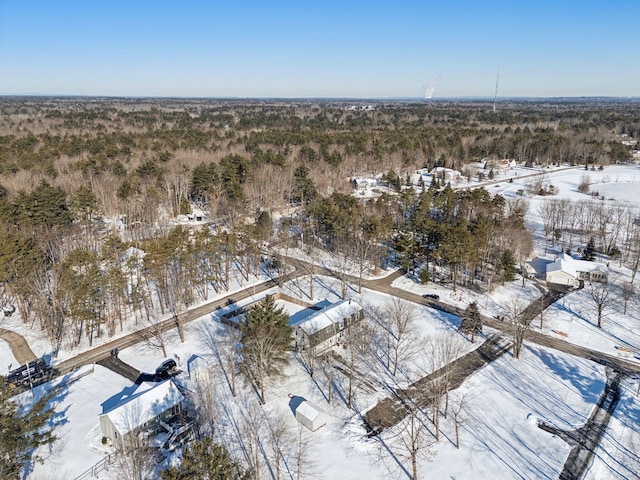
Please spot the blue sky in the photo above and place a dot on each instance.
(360, 49)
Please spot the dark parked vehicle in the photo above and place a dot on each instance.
(431, 296)
(27, 374)
(166, 369)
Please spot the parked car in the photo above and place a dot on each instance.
(28, 374)
(431, 296)
(166, 369)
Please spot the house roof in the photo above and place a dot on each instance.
(332, 314)
(144, 406)
(584, 265)
(571, 266)
(561, 265)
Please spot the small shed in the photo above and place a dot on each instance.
(198, 369)
(310, 415)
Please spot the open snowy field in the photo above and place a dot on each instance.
(618, 456)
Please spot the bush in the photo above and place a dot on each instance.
(585, 182)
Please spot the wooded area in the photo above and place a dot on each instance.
(88, 189)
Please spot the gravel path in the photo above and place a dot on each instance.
(19, 346)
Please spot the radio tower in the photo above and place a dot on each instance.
(496, 94)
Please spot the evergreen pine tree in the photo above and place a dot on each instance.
(508, 264)
(589, 252)
(22, 432)
(266, 339)
(304, 189)
(471, 321)
(205, 460)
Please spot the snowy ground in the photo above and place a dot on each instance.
(42, 347)
(618, 455)
(499, 436)
(77, 406)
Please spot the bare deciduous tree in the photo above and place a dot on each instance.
(414, 439)
(250, 437)
(154, 335)
(519, 324)
(399, 337)
(357, 339)
(206, 404)
(459, 405)
(439, 355)
(627, 292)
(602, 295)
(223, 341)
(135, 458)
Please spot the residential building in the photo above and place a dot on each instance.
(141, 415)
(323, 329)
(567, 271)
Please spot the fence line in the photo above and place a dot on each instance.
(97, 468)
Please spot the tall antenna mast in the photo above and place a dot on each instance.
(496, 94)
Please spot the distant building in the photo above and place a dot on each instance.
(502, 164)
(323, 329)
(362, 185)
(143, 414)
(567, 271)
(446, 174)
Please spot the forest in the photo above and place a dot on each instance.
(89, 189)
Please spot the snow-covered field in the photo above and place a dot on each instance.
(499, 433)
(618, 456)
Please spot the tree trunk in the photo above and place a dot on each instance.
(414, 465)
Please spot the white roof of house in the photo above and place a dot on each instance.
(561, 265)
(447, 171)
(144, 406)
(309, 410)
(328, 315)
(365, 182)
(571, 266)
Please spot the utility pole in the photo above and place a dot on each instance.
(30, 379)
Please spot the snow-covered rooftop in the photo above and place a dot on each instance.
(334, 313)
(144, 406)
(309, 410)
(562, 265)
(570, 265)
